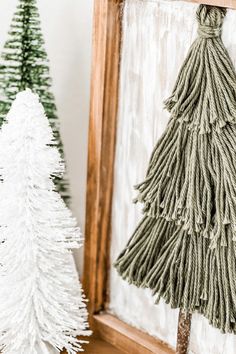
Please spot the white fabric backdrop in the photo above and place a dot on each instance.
(156, 37)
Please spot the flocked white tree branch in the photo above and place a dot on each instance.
(41, 300)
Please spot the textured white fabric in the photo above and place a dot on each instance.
(41, 301)
(156, 37)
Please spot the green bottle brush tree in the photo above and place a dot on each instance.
(24, 65)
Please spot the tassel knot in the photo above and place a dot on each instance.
(209, 32)
(210, 21)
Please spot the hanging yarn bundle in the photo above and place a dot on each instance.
(184, 248)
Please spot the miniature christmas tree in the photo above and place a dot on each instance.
(41, 300)
(184, 249)
(25, 65)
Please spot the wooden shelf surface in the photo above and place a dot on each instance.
(99, 346)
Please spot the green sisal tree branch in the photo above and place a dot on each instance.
(25, 65)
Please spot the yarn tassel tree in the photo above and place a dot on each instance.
(184, 249)
(42, 306)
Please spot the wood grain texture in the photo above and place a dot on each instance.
(101, 155)
(221, 3)
(184, 328)
(127, 338)
(99, 346)
(102, 136)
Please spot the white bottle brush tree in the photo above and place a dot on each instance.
(42, 305)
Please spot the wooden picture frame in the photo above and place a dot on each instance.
(107, 30)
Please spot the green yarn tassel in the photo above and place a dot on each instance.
(183, 270)
(182, 170)
(184, 248)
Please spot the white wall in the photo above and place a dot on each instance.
(67, 27)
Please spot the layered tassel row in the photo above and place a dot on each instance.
(184, 248)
